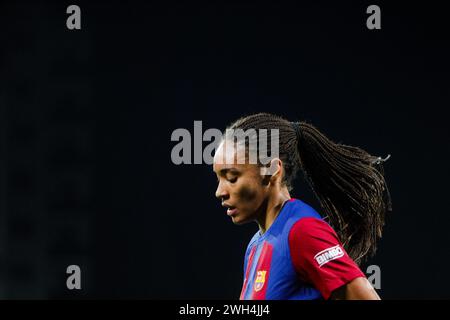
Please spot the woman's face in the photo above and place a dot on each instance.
(241, 187)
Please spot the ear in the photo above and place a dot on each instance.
(273, 172)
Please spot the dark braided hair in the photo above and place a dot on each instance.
(348, 182)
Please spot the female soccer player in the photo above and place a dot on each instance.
(296, 254)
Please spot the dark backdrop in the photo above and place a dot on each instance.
(86, 120)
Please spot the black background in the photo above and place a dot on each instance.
(87, 115)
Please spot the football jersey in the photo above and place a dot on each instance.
(299, 257)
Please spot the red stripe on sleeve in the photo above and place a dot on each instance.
(318, 256)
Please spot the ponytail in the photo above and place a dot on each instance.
(350, 186)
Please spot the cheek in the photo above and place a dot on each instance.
(250, 196)
(247, 194)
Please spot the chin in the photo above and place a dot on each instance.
(239, 220)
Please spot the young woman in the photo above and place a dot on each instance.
(296, 254)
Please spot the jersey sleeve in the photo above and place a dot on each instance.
(318, 256)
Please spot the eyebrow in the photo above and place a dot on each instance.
(225, 170)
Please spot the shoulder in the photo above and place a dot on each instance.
(309, 226)
(299, 216)
(299, 209)
(312, 232)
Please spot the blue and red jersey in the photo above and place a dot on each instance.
(299, 257)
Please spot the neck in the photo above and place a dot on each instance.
(273, 208)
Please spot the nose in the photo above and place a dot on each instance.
(221, 192)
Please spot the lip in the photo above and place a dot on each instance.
(231, 212)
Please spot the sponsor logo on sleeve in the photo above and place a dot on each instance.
(328, 255)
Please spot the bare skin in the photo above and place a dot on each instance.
(357, 289)
(250, 196)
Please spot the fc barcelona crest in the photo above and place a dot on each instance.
(260, 280)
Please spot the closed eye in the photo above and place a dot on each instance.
(232, 180)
